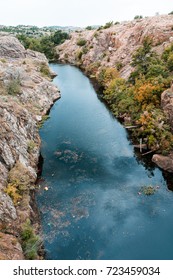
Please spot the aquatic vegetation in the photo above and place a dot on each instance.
(148, 190)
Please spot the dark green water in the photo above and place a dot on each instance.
(93, 208)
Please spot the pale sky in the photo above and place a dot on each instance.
(77, 12)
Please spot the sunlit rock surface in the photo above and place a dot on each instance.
(26, 94)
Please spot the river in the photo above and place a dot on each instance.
(90, 197)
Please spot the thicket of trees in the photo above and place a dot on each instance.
(138, 99)
(44, 44)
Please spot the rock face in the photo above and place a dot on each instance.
(114, 46)
(10, 47)
(167, 104)
(10, 248)
(26, 94)
(164, 162)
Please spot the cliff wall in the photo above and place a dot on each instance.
(26, 94)
(114, 47)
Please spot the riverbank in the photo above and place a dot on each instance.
(134, 73)
(26, 94)
(92, 189)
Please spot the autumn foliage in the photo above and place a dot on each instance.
(139, 98)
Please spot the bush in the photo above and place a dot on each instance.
(108, 25)
(89, 28)
(20, 177)
(155, 70)
(13, 192)
(106, 75)
(44, 69)
(93, 68)
(30, 241)
(119, 65)
(31, 146)
(13, 87)
(81, 42)
(138, 17)
(78, 55)
(170, 62)
(167, 52)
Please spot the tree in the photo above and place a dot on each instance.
(142, 60)
(138, 17)
(59, 37)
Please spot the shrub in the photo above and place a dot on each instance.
(108, 25)
(93, 68)
(31, 146)
(167, 52)
(146, 93)
(138, 17)
(44, 118)
(13, 87)
(20, 177)
(30, 241)
(84, 50)
(154, 70)
(13, 192)
(78, 55)
(81, 42)
(44, 69)
(170, 62)
(106, 75)
(89, 28)
(119, 65)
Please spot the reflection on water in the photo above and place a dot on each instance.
(89, 194)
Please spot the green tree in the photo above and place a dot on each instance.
(59, 37)
(142, 60)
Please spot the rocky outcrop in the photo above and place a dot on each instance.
(167, 104)
(114, 46)
(10, 47)
(26, 94)
(164, 162)
(10, 248)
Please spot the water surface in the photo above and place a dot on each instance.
(94, 208)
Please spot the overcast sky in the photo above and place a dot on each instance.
(78, 12)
